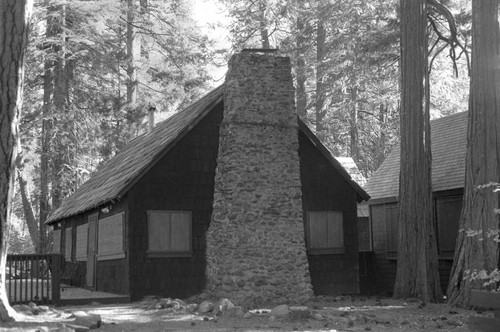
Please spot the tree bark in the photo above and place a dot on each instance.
(14, 26)
(320, 77)
(60, 142)
(482, 159)
(29, 215)
(132, 53)
(353, 124)
(47, 128)
(417, 269)
(301, 63)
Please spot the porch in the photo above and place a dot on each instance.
(37, 278)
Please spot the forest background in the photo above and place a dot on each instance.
(94, 70)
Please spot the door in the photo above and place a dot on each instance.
(92, 252)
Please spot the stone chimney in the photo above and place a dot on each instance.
(255, 243)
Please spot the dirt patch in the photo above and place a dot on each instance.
(320, 314)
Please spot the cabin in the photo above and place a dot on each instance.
(235, 178)
(448, 144)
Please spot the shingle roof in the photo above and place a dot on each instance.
(448, 144)
(350, 166)
(112, 180)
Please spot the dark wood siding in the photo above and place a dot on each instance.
(111, 275)
(324, 189)
(183, 180)
(379, 268)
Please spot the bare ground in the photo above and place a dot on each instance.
(328, 314)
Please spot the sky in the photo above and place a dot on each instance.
(212, 19)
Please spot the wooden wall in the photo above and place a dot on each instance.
(111, 275)
(379, 267)
(324, 189)
(183, 180)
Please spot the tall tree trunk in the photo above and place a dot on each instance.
(29, 215)
(132, 53)
(353, 124)
(301, 63)
(320, 77)
(417, 269)
(382, 140)
(483, 157)
(14, 24)
(47, 128)
(60, 117)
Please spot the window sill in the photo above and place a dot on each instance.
(326, 251)
(163, 254)
(108, 257)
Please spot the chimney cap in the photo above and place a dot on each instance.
(260, 50)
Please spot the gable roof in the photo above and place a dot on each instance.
(113, 179)
(448, 144)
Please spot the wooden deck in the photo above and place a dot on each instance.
(78, 296)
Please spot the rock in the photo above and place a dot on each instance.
(280, 311)
(300, 313)
(43, 308)
(191, 307)
(180, 303)
(23, 308)
(318, 316)
(78, 328)
(247, 315)
(92, 321)
(205, 306)
(222, 306)
(234, 312)
(79, 314)
(452, 322)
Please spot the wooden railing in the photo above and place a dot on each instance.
(34, 278)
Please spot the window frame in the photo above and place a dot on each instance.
(153, 253)
(327, 250)
(68, 244)
(103, 253)
(57, 241)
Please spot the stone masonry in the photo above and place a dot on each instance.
(255, 243)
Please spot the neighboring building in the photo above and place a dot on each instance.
(448, 144)
(233, 195)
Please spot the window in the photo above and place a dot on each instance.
(169, 233)
(110, 238)
(391, 229)
(57, 242)
(68, 243)
(325, 232)
(448, 215)
(81, 242)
